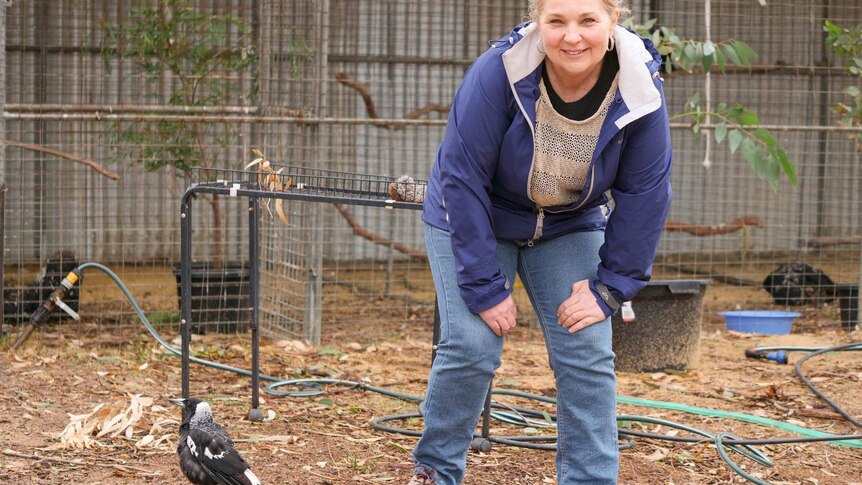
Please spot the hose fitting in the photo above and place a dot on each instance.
(47, 307)
(755, 353)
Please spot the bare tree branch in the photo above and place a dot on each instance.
(365, 233)
(57, 153)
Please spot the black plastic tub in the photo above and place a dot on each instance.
(666, 332)
(220, 297)
(848, 302)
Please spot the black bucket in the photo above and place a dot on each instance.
(848, 302)
(666, 331)
(220, 297)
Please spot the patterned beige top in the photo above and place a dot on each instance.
(563, 150)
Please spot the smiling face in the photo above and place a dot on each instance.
(575, 34)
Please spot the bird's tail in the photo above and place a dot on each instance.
(252, 479)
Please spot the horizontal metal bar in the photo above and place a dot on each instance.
(383, 122)
(296, 195)
(712, 126)
(208, 118)
(127, 108)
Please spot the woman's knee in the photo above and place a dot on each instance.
(479, 354)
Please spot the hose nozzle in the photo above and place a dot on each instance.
(755, 353)
(47, 307)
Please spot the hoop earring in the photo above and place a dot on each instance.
(540, 46)
(611, 43)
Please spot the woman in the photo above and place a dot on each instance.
(562, 114)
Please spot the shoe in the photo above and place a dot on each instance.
(421, 479)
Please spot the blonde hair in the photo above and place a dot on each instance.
(611, 5)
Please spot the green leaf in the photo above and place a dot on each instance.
(852, 91)
(731, 54)
(720, 60)
(786, 165)
(752, 153)
(707, 62)
(735, 138)
(831, 28)
(708, 48)
(746, 54)
(745, 116)
(772, 171)
(720, 132)
(765, 136)
(693, 102)
(690, 50)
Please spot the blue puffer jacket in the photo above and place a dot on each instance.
(479, 186)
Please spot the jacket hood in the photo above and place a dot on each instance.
(638, 58)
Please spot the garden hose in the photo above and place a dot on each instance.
(813, 352)
(521, 416)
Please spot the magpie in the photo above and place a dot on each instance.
(206, 452)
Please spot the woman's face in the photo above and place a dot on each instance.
(575, 34)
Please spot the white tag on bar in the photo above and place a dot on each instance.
(628, 313)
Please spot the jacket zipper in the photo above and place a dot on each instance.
(540, 220)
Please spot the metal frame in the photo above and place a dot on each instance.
(299, 183)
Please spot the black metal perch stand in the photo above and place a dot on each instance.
(274, 182)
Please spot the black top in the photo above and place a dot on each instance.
(587, 106)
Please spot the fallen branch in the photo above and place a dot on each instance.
(818, 242)
(122, 468)
(715, 277)
(365, 233)
(57, 153)
(697, 230)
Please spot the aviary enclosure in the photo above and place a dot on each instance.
(108, 104)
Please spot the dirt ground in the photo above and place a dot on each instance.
(327, 439)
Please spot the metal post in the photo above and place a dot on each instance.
(2, 149)
(314, 289)
(254, 414)
(2, 249)
(186, 284)
(859, 291)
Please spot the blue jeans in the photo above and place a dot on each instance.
(469, 353)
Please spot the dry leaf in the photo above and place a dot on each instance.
(146, 440)
(657, 455)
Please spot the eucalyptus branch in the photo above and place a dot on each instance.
(847, 46)
(738, 124)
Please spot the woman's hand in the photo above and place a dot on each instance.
(581, 309)
(501, 317)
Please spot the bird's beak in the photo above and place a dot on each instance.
(178, 402)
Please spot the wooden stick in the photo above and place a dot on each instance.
(817, 242)
(57, 153)
(697, 230)
(371, 108)
(122, 468)
(363, 91)
(365, 233)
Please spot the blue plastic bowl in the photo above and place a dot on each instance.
(765, 322)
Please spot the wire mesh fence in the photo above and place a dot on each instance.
(98, 136)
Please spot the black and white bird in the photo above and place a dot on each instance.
(207, 455)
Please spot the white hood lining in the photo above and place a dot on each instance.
(635, 80)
